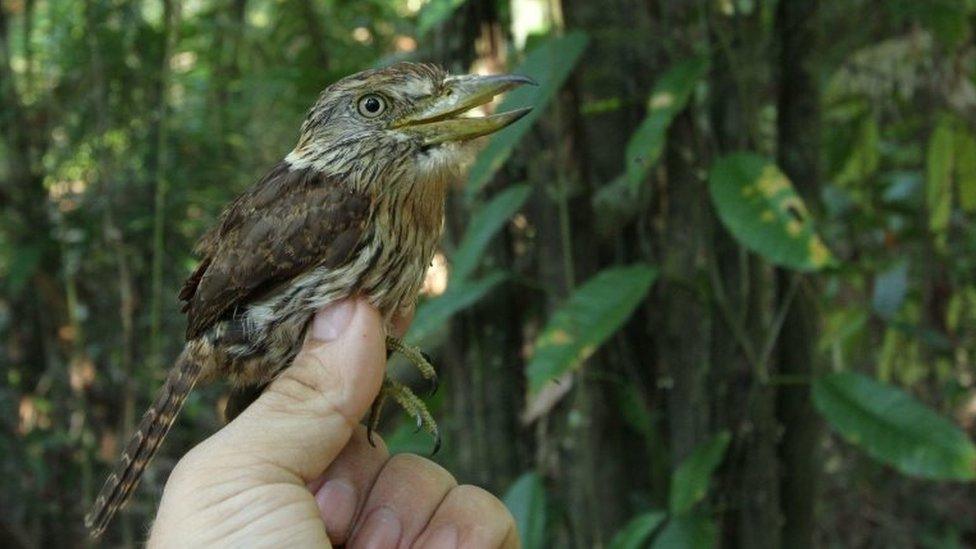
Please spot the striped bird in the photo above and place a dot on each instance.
(356, 208)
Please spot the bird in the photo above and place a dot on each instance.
(356, 208)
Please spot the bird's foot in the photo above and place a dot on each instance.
(410, 403)
(414, 356)
(402, 394)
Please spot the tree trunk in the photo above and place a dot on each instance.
(744, 402)
(798, 123)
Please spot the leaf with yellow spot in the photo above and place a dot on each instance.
(670, 96)
(592, 314)
(758, 205)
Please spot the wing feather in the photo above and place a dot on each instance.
(291, 221)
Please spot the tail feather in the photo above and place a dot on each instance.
(143, 445)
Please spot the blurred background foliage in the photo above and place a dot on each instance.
(717, 290)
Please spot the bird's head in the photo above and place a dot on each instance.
(403, 123)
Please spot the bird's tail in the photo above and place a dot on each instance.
(143, 445)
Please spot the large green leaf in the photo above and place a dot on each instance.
(669, 97)
(432, 314)
(687, 532)
(550, 63)
(634, 534)
(893, 427)
(939, 177)
(759, 206)
(689, 483)
(486, 221)
(593, 313)
(526, 499)
(434, 13)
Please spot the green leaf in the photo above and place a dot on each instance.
(434, 13)
(865, 154)
(550, 64)
(890, 288)
(460, 295)
(759, 206)
(669, 97)
(483, 226)
(965, 153)
(689, 483)
(893, 427)
(687, 532)
(592, 314)
(634, 534)
(939, 177)
(526, 499)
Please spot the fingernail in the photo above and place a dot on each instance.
(380, 531)
(337, 505)
(444, 538)
(331, 321)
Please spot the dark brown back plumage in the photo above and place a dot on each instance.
(276, 230)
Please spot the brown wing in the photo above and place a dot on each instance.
(289, 222)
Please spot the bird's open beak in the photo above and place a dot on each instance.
(440, 120)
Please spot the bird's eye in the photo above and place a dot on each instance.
(371, 105)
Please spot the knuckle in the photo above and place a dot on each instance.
(305, 383)
(421, 467)
(487, 504)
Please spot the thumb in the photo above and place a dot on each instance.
(306, 416)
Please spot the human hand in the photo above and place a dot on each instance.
(295, 469)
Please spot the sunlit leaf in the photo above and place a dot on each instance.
(890, 288)
(433, 314)
(939, 177)
(687, 532)
(669, 97)
(759, 206)
(434, 13)
(592, 314)
(893, 427)
(526, 499)
(550, 63)
(689, 483)
(485, 223)
(636, 533)
(965, 156)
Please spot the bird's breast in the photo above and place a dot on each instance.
(403, 248)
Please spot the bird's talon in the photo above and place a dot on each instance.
(437, 443)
